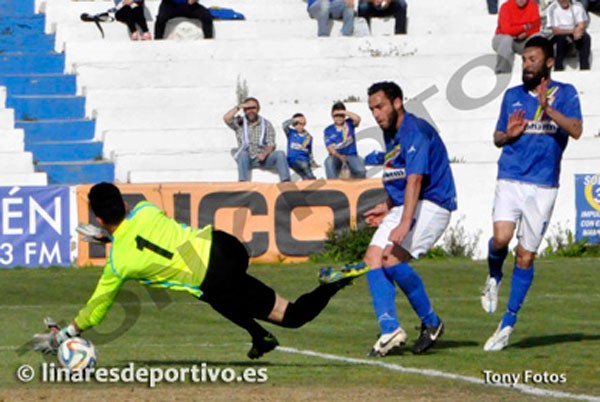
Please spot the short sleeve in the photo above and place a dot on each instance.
(417, 154)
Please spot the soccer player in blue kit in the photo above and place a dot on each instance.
(421, 196)
(536, 120)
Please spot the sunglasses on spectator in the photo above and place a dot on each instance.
(339, 115)
(250, 108)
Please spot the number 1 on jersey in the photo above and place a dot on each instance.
(142, 243)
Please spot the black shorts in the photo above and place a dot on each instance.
(227, 281)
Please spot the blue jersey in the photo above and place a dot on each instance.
(343, 140)
(534, 157)
(418, 149)
(299, 146)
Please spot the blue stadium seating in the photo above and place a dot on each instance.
(45, 102)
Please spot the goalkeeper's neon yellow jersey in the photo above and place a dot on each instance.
(154, 250)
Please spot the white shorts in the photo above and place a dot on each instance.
(528, 205)
(428, 224)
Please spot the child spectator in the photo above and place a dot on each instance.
(299, 153)
(341, 144)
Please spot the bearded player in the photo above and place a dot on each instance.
(536, 120)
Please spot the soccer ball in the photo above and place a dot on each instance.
(77, 354)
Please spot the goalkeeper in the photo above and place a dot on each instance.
(155, 250)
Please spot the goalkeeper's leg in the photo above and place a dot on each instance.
(267, 305)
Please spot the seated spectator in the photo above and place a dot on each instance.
(299, 152)
(517, 21)
(131, 13)
(170, 9)
(256, 141)
(326, 10)
(567, 21)
(341, 144)
(385, 8)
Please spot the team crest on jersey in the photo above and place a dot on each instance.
(391, 155)
(542, 124)
(551, 96)
(392, 173)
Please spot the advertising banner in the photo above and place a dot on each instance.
(34, 227)
(277, 222)
(587, 202)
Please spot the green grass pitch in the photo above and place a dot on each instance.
(558, 332)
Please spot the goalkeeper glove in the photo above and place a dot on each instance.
(93, 234)
(48, 343)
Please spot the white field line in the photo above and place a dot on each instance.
(552, 296)
(526, 389)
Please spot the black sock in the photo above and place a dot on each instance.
(308, 306)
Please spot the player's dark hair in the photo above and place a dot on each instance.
(542, 43)
(389, 88)
(338, 106)
(252, 99)
(297, 115)
(107, 203)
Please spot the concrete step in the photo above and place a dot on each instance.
(39, 84)
(38, 42)
(16, 162)
(47, 107)
(122, 141)
(12, 140)
(23, 179)
(77, 172)
(17, 8)
(22, 25)
(7, 119)
(66, 151)
(272, 48)
(36, 63)
(57, 130)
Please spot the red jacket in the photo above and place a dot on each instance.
(512, 19)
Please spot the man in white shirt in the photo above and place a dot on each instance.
(568, 20)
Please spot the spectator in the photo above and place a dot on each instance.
(299, 153)
(131, 13)
(170, 9)
(256, 141)
(341, 144)
(326, 10)
(517, 21)
(567, 21)
(385, 8)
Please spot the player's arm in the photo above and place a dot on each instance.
(572, 125)
(92, 314)
(515, 127)
(411, 198)
(102, 299)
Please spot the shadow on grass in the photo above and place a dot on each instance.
(448, 344)
(536, 341)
